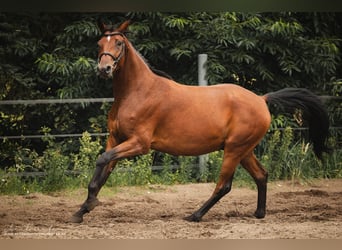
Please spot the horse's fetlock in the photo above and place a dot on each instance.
(92, 187)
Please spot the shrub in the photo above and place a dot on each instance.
(167, 174)
(184, 173)
(85, 160)
(137, 171)
(55, 165)
(214, 165)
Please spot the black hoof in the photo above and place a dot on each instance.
(259, 214)
(86, 208)
(192, 218)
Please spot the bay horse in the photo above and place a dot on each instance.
(153, 112)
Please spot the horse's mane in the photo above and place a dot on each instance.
(154, 70)
(160, 72)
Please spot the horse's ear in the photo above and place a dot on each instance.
(103, 27)
(123, 28)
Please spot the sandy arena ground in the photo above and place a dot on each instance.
(294, 211)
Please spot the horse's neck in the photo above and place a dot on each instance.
(133, 76)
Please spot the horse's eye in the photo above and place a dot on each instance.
(118, 43)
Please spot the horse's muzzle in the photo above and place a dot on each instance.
(106, 71)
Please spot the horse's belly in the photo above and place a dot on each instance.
(189, 142)
(186, 150)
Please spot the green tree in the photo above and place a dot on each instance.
(263, 52)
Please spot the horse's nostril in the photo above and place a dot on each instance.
(108, 69)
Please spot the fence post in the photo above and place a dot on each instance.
(202, 81)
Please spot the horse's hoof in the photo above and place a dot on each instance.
(192, 218)
(259, 214)
(76, 219)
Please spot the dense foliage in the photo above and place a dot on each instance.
(53, 55)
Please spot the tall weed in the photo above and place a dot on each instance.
(214, 165)
(167, 174)
(85, 160)
(137, 171)
(55, 165)
(289, 159)
(184, 173)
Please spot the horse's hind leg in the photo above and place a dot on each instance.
(259, 174)
(222, 188)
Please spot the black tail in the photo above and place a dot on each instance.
(290, 100)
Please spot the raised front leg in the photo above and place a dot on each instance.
(99, 178)
(104, 166)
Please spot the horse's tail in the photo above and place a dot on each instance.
(312, 110)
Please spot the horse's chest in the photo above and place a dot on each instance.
(124, 125)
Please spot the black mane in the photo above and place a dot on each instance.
(154, 70)
(160, 72)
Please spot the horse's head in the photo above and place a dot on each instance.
(112, 48)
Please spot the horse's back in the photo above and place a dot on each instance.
(231, 101)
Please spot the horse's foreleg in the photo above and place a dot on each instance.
(222, 188)
(259, 174)
(102, 171)
(99, 178)
(104, 166)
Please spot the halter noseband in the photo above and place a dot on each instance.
(116, 60)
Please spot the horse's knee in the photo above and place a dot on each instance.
(103, 159)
